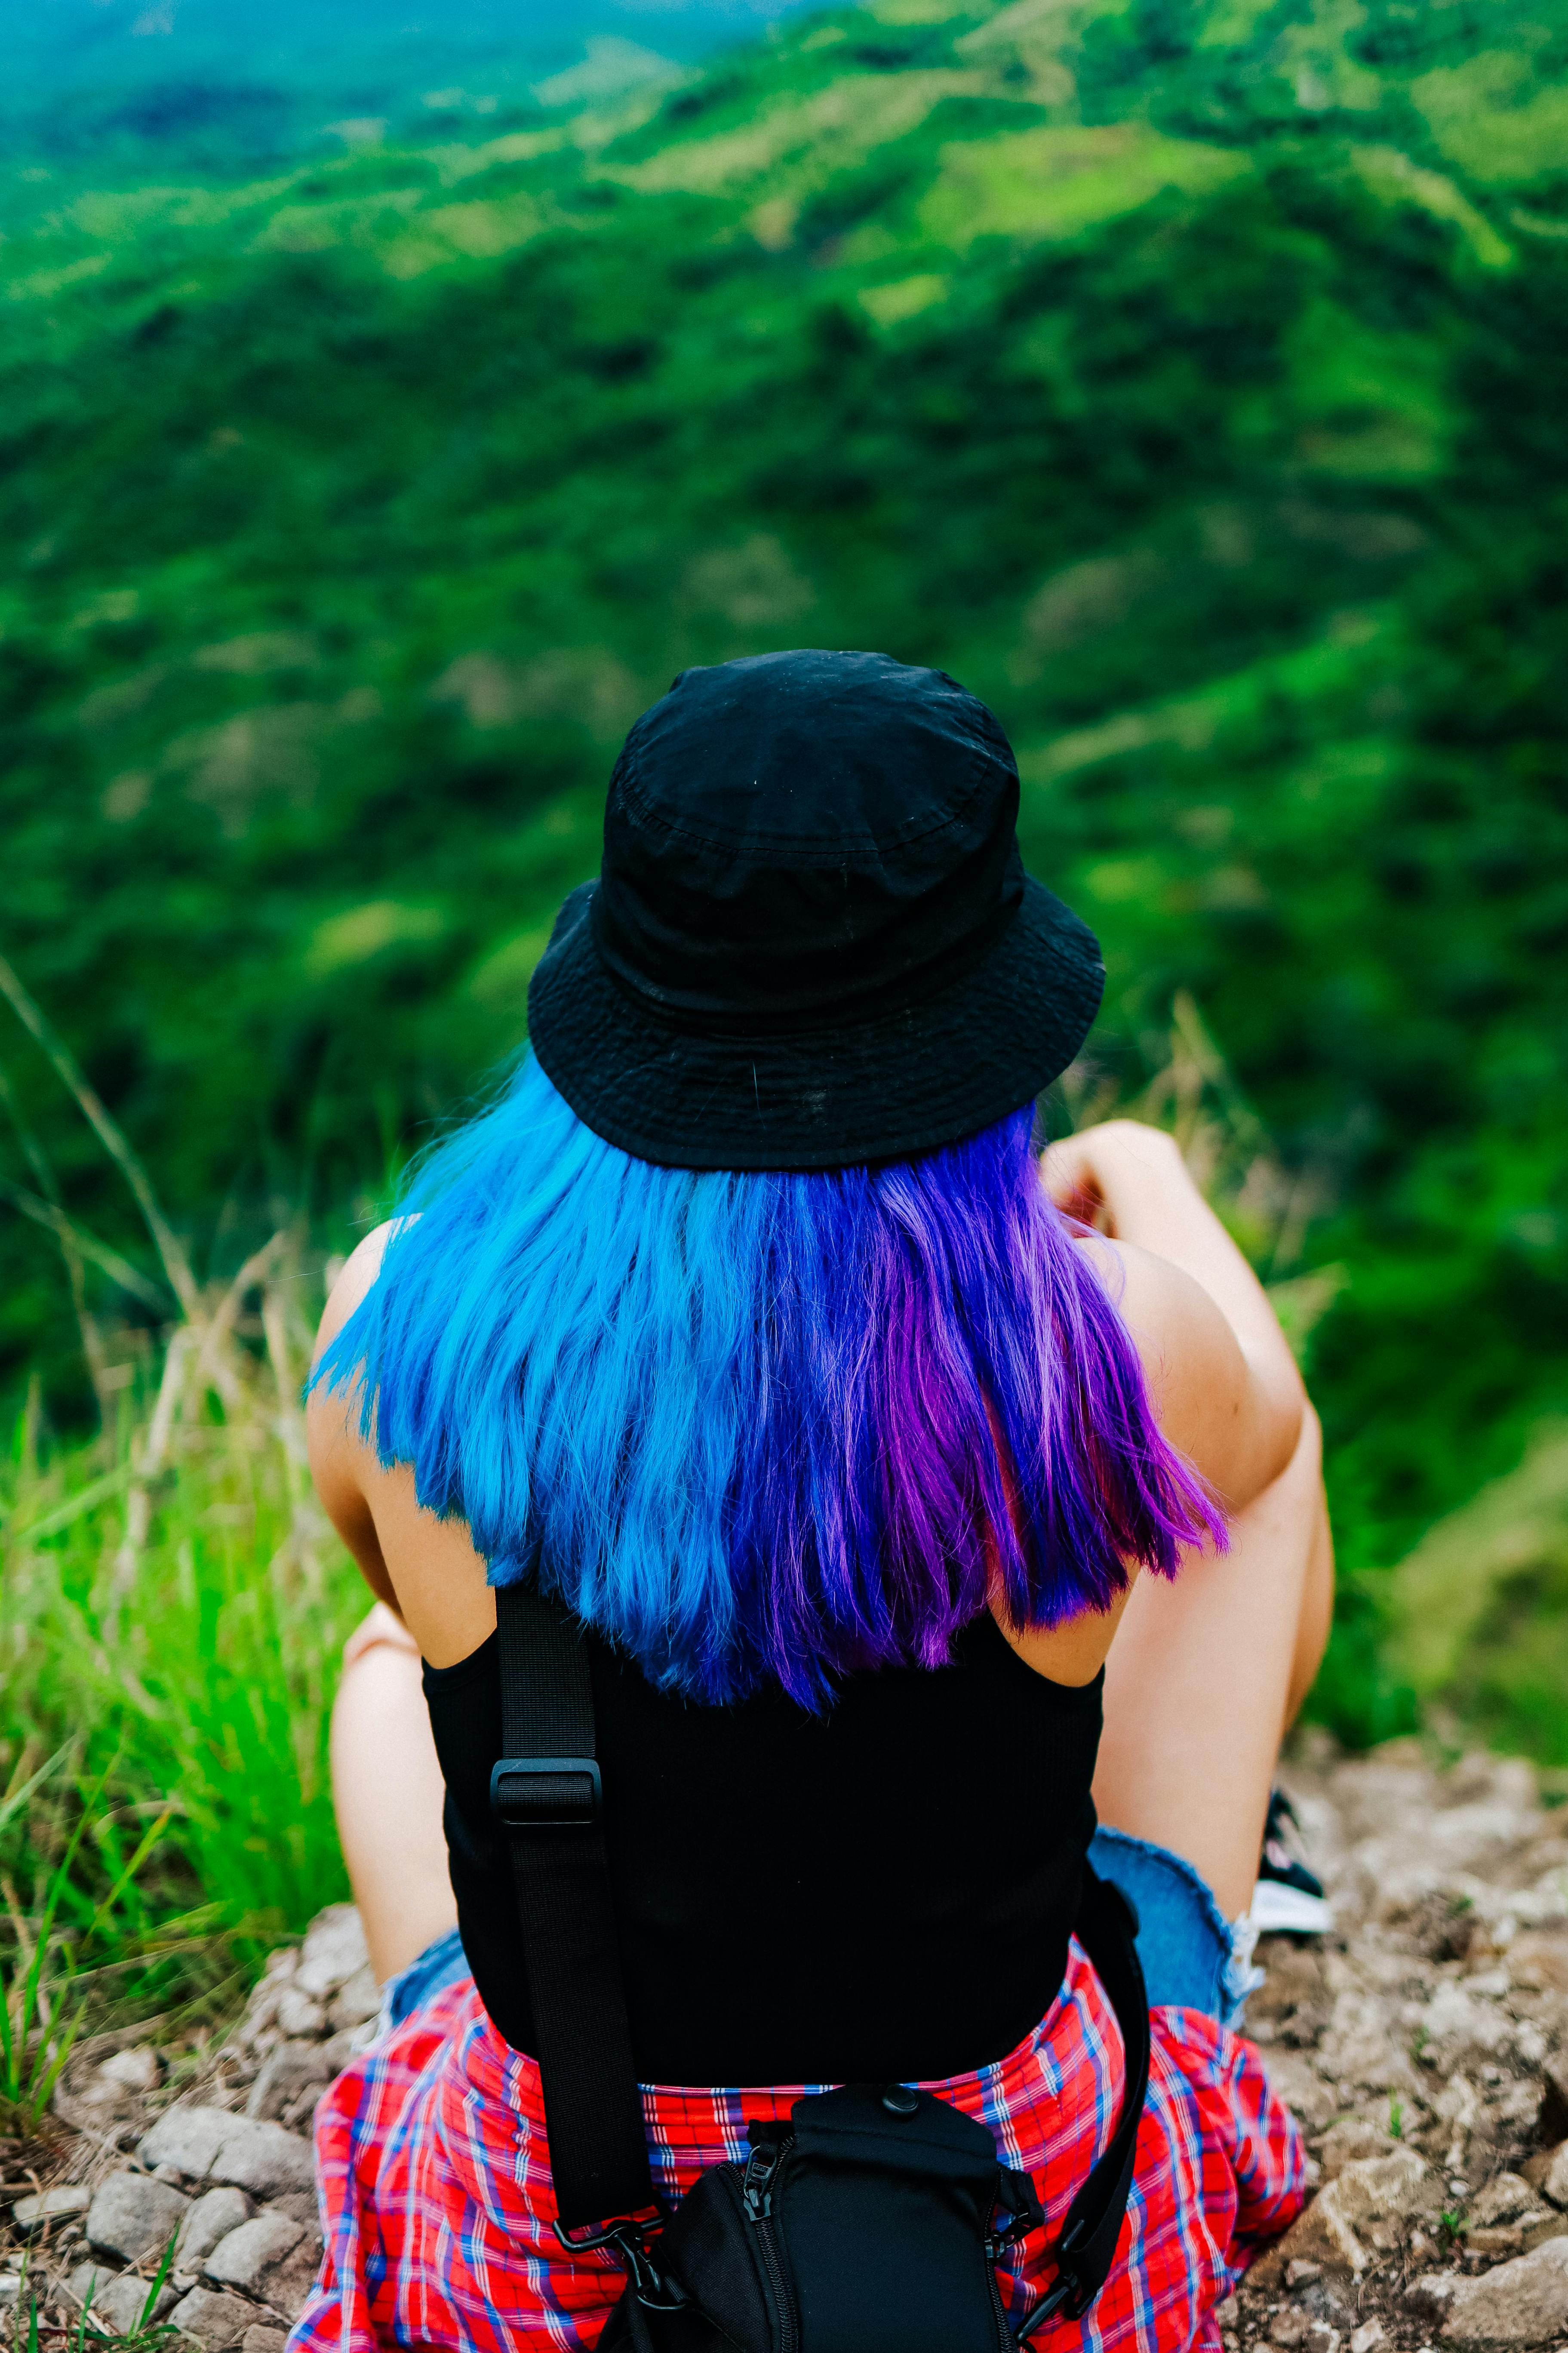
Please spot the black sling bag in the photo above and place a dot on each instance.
(873, 2221)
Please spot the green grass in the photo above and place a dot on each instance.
(148, 2336)
(172, 1606)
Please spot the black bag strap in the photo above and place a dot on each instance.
(1105, 1926)
(546, 1794)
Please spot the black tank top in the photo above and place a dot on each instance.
(883, 1892)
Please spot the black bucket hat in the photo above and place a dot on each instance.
(813, 942)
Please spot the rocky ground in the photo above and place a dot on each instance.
(1424, 2047)
(219, 2157)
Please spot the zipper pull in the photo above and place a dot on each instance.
(757, 2186)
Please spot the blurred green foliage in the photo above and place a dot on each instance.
(1187, 376)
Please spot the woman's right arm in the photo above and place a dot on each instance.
(422, 1566)
(336, 1450)
(1224, 1384)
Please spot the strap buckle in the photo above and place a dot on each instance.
(546, 1793)
(1068, 2293)
(1020, 2201)
(629, 2239)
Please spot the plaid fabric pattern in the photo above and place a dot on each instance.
(436, 2202)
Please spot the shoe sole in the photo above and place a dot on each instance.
(1278, 1910)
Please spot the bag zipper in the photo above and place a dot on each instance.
(1007, 2341)
(757, 2185)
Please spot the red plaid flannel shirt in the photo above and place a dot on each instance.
(437, 2199)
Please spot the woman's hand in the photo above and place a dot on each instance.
(1224, 1381)
(1105, 1173)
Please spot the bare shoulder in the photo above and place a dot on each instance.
(1199, 1381)
(1166, 1309)
(353, 1284)
(422, 1564)
(340, 1457)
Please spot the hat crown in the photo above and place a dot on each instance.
(793, 836)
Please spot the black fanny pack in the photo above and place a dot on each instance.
(874, 2220)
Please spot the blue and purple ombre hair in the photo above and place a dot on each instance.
(764, 1426)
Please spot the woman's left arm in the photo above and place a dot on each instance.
(1226, 1386)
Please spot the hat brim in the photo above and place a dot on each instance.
(907, 1080)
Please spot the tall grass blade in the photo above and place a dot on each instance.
(63, 1516)
(176, 1266)
(156, 2289)
(119, 1270)
(14, 1800)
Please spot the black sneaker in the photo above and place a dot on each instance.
(1289, 1899)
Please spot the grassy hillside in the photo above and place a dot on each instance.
(1187, 378)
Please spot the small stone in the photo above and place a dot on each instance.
(290, 2284)
(1301, 2088)
(1494, 2240)
(1300, 2269)
(297, 2014)
(130, 2214)
(139, 2070)
(1374, 2186)
(1287, 2330)
(215, 2214)
(263, 2340)
(1504, 2199)
(288, 2071)
(1554, 2119)
(215, 2321)
(1538, 1960)
(215, 2144)
(1429, 2295)
(1368, 2336)
(50, 2206)
(299, 2205)
(1554, 2179)
(1352, 2139)
(10, 2288)
(1367, 2191)
(359, 2001)
(117, 2298)
(1548, 2226)
(363, 2038)
(264, 2158)
(1322, 2339)
(185, 2141)
(1228, 2314)
(1521, 2303)
(334, 1950)
(247, 2256)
